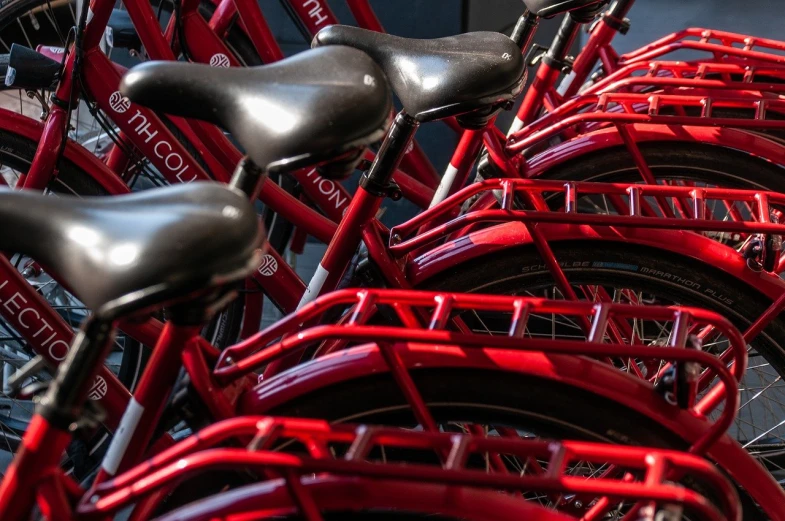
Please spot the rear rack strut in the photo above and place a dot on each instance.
(646, 476)
(426, 317)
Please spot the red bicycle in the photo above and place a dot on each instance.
(141, 85)
(453, 260)
(632, 480)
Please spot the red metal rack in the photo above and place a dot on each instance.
(643, 476)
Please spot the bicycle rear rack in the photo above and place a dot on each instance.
(722, 45)
(638, 206)
(679, 74)
(680, 78)
(428, 318)
(642, 475)
(640, 108)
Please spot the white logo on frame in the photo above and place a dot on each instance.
(369, 80)
(219, 60)
(118, 102)
(56, 50)
(98, 389)
(269, 266)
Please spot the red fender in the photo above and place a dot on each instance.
(346, 494)
(75, 153)
(513, 234)
(751, 143)
(590, 375)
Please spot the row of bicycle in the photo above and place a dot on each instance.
(522, 309)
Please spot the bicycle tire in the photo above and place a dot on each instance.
(491, 397)
(672, 278)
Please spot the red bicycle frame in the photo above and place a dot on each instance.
(722, 46)
(154, 139)
(312, 16)
(425, 321)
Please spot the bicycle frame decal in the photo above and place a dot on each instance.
(55, 335)
(316, 11)
(329, 188)
(156, 141)
(49, 335)
(172, 160)
(140, 125)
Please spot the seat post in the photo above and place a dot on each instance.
(524, 31)
(248, 178)
(394, 147)
(56, 416)
(620, 8)
(61, 405)
(557, 52)
(375, 185)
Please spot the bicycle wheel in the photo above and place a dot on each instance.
(128, 356)
(496, 401)
(638, 275)
(675, 164)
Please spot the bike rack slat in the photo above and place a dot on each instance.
(719, 43)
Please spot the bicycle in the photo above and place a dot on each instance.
(200, 211)
(372, 234)
(142, 84)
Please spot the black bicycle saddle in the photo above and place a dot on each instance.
(442, 77)
(548, 8)
(301, 110)
(105, 248)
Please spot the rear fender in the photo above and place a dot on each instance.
(514, 234)
(590, 375)
(758, 145)
(351, 494)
